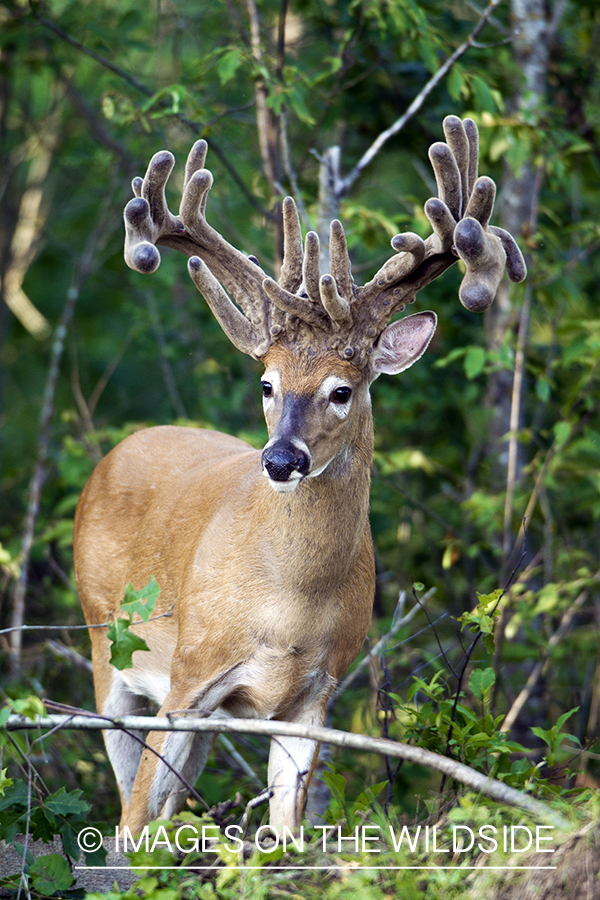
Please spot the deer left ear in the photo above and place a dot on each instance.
(402, 343)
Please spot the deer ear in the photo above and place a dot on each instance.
(402, 343)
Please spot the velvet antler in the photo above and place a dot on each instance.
(303, 307)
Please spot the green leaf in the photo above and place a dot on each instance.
(474, 361)
(50, 874)
(543, 734)
(482, 95)
(482, 681)
(229, 64)
(366, 797)
(455, 82)
(5, 782)
(562, 430)
(542, 390)
(30, 707)
(141, 602)
(124, 644)
(336, 784)
(562, 719)
(67, 804)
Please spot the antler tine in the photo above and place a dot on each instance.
(484, 259)
(236, 326)
(411, 251)
(290, 277)
(195, 161)
(447, 177)
(457, 140)
(295, 305)
(473, 138)
(515, 264)
(339, 260)
(442, 223)
(335, 304)
(311, 269)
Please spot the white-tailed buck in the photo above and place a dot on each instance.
(266, 558)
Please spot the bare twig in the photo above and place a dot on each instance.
(435, 634)
(61, 651)
(374, 652)
(85, 266)
(239, 759)
(460, 772)
(346, 183)
(164, 615)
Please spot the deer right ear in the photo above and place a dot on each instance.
(402, 343)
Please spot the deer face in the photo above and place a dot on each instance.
(317, 406)
(314, 408)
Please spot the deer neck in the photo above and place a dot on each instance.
(320, 527)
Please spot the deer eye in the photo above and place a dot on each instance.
(341, 395)
(267, 388)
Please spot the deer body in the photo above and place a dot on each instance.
(264, 560)
(274, 589)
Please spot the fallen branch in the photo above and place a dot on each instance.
(472, 779)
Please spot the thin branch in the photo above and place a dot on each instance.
(346, 183)
(130, 731)
(239, 759)
(85, 266)
(384, 746)
(106, 63)
(469, 653)
(164, 615)
(61, 651)
(435, 634)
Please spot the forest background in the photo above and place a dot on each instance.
(487, 460)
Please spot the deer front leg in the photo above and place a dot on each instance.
(158, 791)
(291, 764)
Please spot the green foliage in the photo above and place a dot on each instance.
(125, 642)
(50, 874)
(481, 619)
(342, 811)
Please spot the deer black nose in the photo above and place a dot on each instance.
(282, 458)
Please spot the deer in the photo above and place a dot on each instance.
(264, 558)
